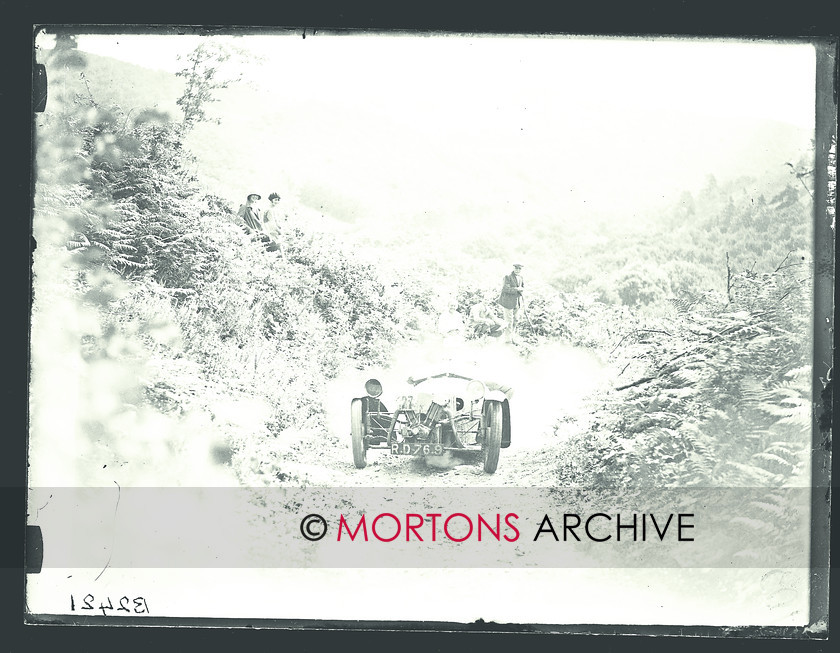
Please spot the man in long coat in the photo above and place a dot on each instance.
(511, 300)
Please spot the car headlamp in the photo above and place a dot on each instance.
(373, 387)
(475, 390)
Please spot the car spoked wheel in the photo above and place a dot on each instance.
(492, 441)
(357, 433)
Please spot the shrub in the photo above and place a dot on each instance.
(718, 392)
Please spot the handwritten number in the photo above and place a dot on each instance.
(104, 607)
(140, 605)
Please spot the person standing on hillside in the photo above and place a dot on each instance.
(511, 300)
(250, 214)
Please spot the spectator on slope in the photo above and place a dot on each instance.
(250, 214)
(451, 325)
(273, 217)
(253, 222)
(484, 321)
(512, 301)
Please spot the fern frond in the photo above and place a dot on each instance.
(772, 463)
(78, 241)
(752, 474)
(758, 526)
(771, 509)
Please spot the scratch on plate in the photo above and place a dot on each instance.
(113, 532)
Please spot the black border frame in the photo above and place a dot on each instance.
(804, 20)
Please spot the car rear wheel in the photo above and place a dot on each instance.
(493, 435)
(357, 432)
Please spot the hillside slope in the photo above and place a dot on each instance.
(564, 196)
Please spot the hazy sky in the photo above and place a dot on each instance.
(424, 123)
(713, 77)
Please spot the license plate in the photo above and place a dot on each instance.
(416, 449)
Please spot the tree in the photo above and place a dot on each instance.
(208, 70)
(66, 53)
(65, 41)
(641, 284)
(685, 206)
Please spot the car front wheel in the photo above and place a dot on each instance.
(493, 422)
(357, 432)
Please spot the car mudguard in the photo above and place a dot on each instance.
(495, 395)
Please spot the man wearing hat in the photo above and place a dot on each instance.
(511, 300)
(250, 214)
